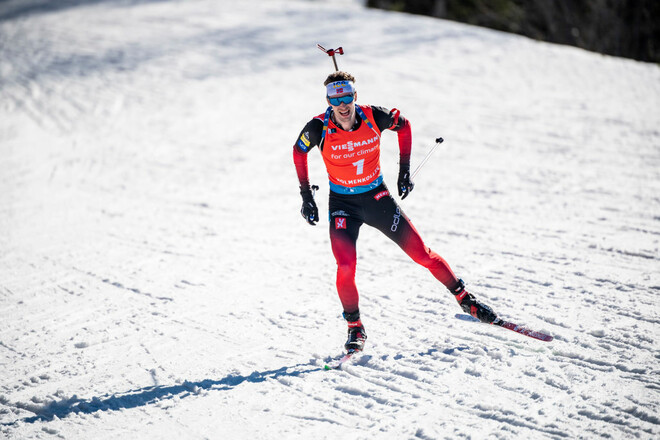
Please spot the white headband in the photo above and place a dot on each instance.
(340, 88)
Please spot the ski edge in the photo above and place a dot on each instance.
(540, 336)
(520, 329)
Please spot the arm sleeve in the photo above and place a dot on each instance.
(405, 144)
(309, 137)
(300, 161)
(392, 120)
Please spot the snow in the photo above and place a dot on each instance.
(157, 280)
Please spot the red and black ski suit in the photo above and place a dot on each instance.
(358, 194)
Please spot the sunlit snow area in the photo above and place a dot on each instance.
(158, 281)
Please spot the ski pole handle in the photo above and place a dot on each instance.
(438, 141)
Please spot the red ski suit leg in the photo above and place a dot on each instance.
(343, 240)
(378, 209)
(411, 242)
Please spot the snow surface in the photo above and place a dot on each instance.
(157, 280)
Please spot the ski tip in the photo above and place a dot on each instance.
(336, 364)
(499, 322)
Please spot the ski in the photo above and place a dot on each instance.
(511, 326)
(523, 330)
(336, 364)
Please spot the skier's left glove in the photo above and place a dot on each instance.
(404, 184)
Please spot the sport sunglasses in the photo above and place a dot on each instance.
(345, 99)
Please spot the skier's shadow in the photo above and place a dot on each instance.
(148, 395)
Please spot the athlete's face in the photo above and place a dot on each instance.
(344, 113)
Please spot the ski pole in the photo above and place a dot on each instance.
(438, 141)
(331, 53)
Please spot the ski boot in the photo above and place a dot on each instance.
(356, 334)
(470, 305)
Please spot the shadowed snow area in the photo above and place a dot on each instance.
(158, 281)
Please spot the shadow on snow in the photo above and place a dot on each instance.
(149, 395)
(152, 395)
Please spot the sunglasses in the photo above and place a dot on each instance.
(345, 99)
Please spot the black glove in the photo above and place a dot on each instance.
(309, 211)
(404, 184)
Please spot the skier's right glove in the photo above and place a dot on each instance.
(309, 211)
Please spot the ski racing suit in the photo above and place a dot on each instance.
(358, 194)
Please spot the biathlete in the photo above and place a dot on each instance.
(348, 136)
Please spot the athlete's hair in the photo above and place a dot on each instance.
(338, 76)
